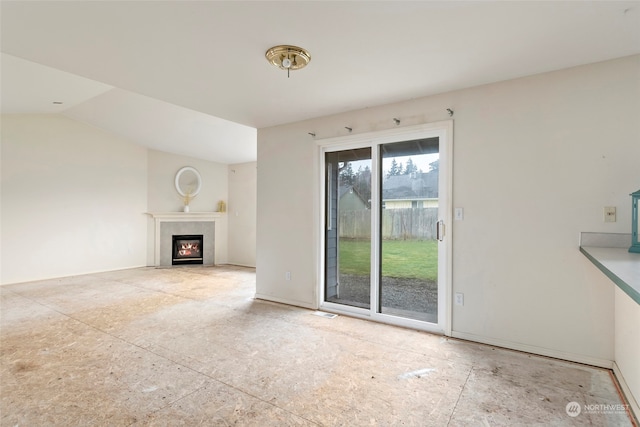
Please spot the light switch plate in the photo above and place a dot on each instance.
(609, 214)
(459, 298)
(458, 214)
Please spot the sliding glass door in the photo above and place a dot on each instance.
(348, 227)
(408, 229)
(385, 202)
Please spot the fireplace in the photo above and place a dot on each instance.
(187, 249)
(207, 224)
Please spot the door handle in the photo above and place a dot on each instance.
(440, 230)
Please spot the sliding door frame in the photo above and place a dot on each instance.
(444, 131)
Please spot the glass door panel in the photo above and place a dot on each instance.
(408, 285)
(348, 227)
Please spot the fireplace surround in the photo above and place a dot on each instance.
(211, 225)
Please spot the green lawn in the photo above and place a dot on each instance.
(416, 259)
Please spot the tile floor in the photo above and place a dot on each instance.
(189, 346)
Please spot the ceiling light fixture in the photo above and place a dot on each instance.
(287, 57)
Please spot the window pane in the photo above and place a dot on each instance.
(348, 228)
(409, 214)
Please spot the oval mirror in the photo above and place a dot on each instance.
(188, 181)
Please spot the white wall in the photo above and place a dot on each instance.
(242, 214)
(73, 199)
(64, 182)
(163, 197)
(286, 237)
(535, 161)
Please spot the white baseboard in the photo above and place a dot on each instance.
(286, 301)
(631, 399)
(572, 357)
(238, 265)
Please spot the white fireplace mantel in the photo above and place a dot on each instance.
(185, 216)
(218, 218)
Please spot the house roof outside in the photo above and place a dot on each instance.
(350, 189)
(415, 186)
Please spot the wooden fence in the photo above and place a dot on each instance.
(398, 224)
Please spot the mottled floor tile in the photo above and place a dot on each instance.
(18, 312)
(216, 404)
(496, 398)
(191, 346)
(68, 373)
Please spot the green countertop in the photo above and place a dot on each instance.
(619, 265)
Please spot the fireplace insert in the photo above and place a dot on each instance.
(187, 249)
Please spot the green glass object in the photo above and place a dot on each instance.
(635, 243)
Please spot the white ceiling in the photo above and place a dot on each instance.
(201, 64)
(28, 87)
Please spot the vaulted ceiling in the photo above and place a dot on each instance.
(191, 77)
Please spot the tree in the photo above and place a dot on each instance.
(410, 168)
(347, 177)
(363, 184)
(434, 166)
(396, 169)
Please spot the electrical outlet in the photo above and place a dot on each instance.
(287, 275)
(609, 214)
(459, 298)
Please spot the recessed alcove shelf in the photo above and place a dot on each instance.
(212, 225)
